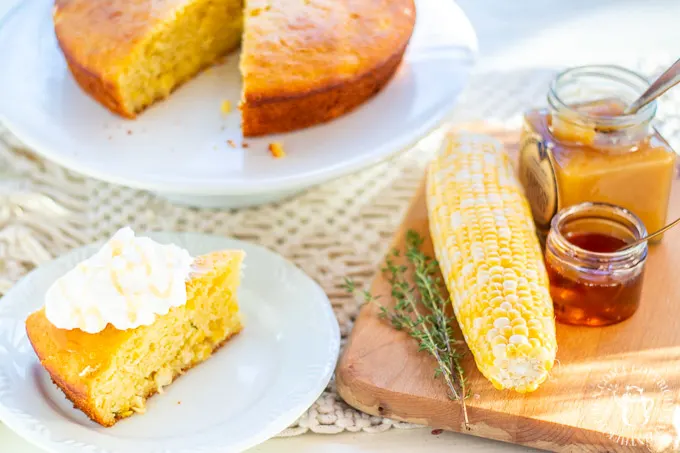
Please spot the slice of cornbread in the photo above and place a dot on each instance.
(110, 374)
(129, 53)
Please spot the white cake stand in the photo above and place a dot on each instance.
(180, 148)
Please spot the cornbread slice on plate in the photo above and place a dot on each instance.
(260, 383)
(110, 374)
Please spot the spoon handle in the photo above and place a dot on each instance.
(650, 236)
(656, 89)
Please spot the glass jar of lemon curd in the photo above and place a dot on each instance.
(583, 148)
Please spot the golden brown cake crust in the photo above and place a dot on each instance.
(97, 38)
(96, 42)
(103, 33)
(102, 91)
(77, 392)
(307, 62)
(56, 349)
(278, 115)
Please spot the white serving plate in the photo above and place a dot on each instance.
(178, 148)
(258, 384)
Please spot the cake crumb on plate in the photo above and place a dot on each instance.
(226, 107)
(276, 149)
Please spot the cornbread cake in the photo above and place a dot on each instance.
(110, 374)
(127, 54)
(303, 62)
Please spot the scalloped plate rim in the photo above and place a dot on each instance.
(284, 417)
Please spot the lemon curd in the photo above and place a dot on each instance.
(583, 148)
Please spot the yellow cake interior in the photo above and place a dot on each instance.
(110, 374)
(199, 33)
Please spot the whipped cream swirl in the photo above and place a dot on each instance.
(129, 282)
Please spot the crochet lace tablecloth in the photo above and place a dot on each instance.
(336, 230)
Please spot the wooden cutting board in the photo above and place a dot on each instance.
(612, 389)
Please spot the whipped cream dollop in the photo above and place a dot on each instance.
(129, 282)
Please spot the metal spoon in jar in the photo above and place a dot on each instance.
(667, 80)
(650, 236)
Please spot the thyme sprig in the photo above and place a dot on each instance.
(420, 309)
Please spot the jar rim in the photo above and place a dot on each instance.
(617, 214)
(614, 73)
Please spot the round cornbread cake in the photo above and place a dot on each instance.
(303, 62)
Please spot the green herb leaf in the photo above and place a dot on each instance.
(420, 309)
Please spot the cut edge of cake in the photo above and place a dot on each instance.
(121, 82)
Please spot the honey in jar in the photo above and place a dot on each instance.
(583, 148)
(594, 279)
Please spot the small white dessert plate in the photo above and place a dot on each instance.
(258, 384)
(179, 147)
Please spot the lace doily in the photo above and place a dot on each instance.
(336, 230)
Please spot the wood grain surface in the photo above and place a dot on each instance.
(613, 389)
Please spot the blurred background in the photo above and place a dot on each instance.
(540, 32)
(526, 33)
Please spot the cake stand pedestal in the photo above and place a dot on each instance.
(228, 201)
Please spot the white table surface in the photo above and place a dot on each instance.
(512, 35)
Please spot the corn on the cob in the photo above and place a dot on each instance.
(491, 260)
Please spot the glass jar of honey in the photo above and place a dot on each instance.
(594, 281)
(583, 148)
